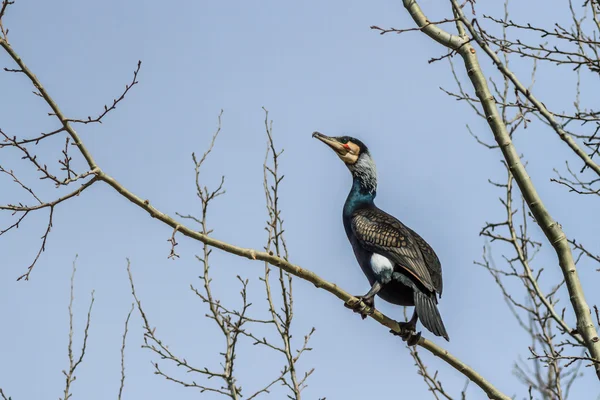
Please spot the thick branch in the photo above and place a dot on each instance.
(305, 274)
(527, 93)
(551, 228)
(63, 120)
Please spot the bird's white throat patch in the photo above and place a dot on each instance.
(382, 267)
(365, 170)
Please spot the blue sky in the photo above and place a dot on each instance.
(315, 66)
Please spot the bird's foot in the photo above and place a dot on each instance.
(364, 306)
(408, 333)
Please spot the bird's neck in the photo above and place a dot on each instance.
(364, 185)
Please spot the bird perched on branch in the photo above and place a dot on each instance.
(400, 265)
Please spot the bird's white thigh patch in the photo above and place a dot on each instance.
(382, 267)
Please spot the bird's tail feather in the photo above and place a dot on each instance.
(428, 314)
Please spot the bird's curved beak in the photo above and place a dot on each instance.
(331, 142)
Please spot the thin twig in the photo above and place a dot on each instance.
(122, 384)
(73, 361)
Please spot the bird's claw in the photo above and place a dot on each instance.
(413, 338)
(408, 333)
(362, 306)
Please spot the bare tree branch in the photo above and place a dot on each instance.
(551, 228)
(276, 244)
(116, 101)
(74, 361)
(1, 391)
(122, 384)
(433, 383)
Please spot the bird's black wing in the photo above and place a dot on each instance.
(431, 260)
(383, 234)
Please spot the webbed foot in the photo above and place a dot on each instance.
(364, 306)
(408, 333)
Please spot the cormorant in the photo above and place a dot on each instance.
(400, 265)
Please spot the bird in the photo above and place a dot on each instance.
(400, 265)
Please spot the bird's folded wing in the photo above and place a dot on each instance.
(383, 234)
(431, 260)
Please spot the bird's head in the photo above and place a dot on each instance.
(348, 149)
(356, 156)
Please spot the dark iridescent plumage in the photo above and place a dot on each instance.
(381, 233)
(400, 265)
